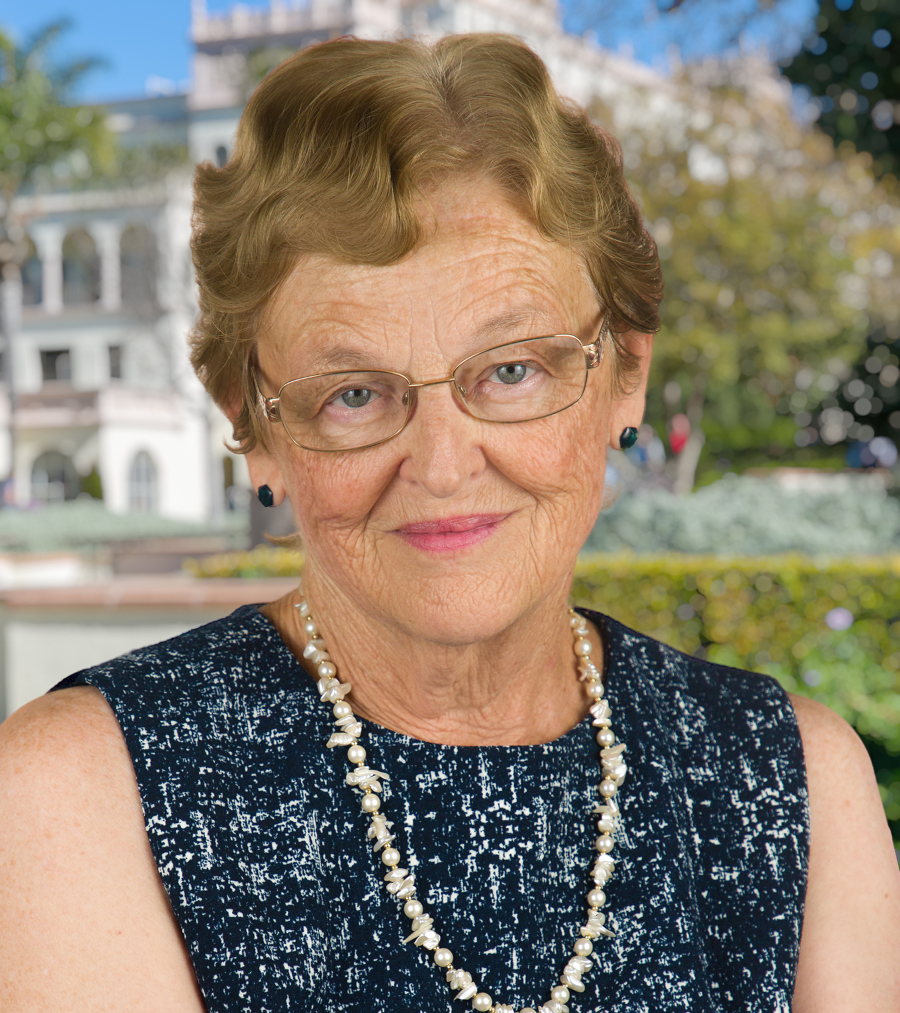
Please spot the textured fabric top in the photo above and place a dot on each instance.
(262, 846)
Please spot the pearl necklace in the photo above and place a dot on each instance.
(401, 882)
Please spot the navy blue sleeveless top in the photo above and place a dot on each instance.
(262, 847)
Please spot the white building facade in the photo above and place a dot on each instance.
(105, 401)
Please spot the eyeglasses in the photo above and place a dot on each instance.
(516, 382)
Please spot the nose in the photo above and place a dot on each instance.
(442, 442)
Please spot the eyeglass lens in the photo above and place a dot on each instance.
(515, 382)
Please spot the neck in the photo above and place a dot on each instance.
(517, 687)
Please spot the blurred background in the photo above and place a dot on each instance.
(757, 520)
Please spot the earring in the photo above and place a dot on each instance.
(265, 496)
(628, 438)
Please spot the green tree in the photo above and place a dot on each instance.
(851, 64)
(44, 141)
(42, 136)
(767, 237)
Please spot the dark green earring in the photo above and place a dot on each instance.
(628, 438)
(266, 496)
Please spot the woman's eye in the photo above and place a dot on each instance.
(511, 372)
(359, 397)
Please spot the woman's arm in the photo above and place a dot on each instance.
(850, 948)
(85, 922)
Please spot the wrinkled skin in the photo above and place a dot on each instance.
(437, 644)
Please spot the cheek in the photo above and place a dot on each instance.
(561, 463)
(566, 452)
(333, 494)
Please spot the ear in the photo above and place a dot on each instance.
(628, 409)
(262, 463)
(264, 470)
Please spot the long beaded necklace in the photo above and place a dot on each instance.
(400, 882)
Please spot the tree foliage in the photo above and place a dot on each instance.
(40, 133)
(851, 64)
(776, 251)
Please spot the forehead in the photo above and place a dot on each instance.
(482, 271)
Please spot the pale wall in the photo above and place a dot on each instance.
(37, 654)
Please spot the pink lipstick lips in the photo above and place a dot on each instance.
(450, 533)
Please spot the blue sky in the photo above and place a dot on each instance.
(141, 42)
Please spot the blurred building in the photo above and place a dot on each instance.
(105, 401)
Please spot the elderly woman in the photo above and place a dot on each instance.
(426, 305)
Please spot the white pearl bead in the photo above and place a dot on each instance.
(526, 1009)
(559, 993)
(356, 754)
(604, 844)
(583, 948)
(313, 648)
(596, 898)
(606, 738)
(309, 628)
(595, 690)
(443, 957)
(390, 856)
(326, 670)
(303, 609)
(607, 788)
(482, 1002)
(583, 648)
(371, 803)
(412, 908)
(341, 710)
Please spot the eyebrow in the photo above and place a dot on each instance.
(347, 357)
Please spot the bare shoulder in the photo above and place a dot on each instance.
(829, 745)
(823, 732)
(84, 917)
(71, 724)
(55, 753)
(850, 949)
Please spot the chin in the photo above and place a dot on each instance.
(462, 608)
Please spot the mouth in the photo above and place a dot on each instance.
(449, 534)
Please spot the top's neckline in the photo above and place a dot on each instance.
(388, 737)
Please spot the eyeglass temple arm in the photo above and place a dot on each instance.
(593, 352)
(267, 405)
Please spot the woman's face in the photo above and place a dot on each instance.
(455, 528)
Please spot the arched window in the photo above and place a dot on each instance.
(142, 484)
(54, 478)
(32, 277)
(138, 262)
(56, 365)
(81, 269)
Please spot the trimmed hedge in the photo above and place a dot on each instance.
(263, 561)
(776, 616)
(781, 615)
(770, 615)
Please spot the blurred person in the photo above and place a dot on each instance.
(427, 301)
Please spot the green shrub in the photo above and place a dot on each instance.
(769, 615)
(746, 516)
(263, 561)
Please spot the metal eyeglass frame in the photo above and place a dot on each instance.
(593, 356)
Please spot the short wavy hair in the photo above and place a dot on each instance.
(333, 151)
